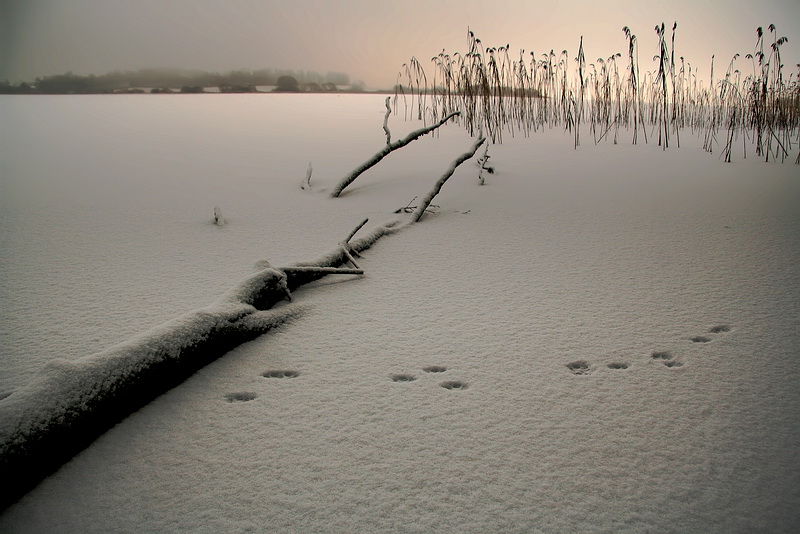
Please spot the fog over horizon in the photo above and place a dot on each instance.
(369, 41)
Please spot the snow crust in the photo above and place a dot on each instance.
(437, 393)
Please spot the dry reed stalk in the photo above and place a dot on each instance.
(497, 94)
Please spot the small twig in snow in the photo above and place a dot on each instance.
(218, 220)
(407, 208)
(482, 163)
(307, 180)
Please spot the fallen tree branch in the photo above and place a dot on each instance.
(385, 151)
(321, 270)
(70, 403)
(355, 231)
(350, 256)
(417, 215)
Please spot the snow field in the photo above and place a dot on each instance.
(608, 255)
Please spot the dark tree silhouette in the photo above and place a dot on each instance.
(288, 83)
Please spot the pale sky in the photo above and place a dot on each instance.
(367, 39)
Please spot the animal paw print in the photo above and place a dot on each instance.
(431, 369)
(719, 329)
(280, 374)
(672, 363)
(240, 396)
(580, 367)
(402, 378)
(666, 358)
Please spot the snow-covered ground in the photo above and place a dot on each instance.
(612, 255)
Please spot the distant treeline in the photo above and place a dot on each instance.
(186, 81)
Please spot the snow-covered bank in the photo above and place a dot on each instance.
(610, 255)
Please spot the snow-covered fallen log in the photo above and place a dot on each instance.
(72, 402)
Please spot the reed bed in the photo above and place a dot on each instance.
(499, 94)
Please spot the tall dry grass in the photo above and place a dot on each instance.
(501, 94)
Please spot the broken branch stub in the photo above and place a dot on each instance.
(218, 220)
(385, 151)
(386, 122)
(307, 180)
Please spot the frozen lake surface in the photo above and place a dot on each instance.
(624, 322)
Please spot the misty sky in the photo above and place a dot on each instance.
(368, 39)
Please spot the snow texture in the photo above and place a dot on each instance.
(439, 391)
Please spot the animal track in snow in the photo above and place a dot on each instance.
(280, 374)
(402, 378)
(662, 355)
(580, 367)
(240, 396)
(666, 358)
(448, 384)
(720, 328)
